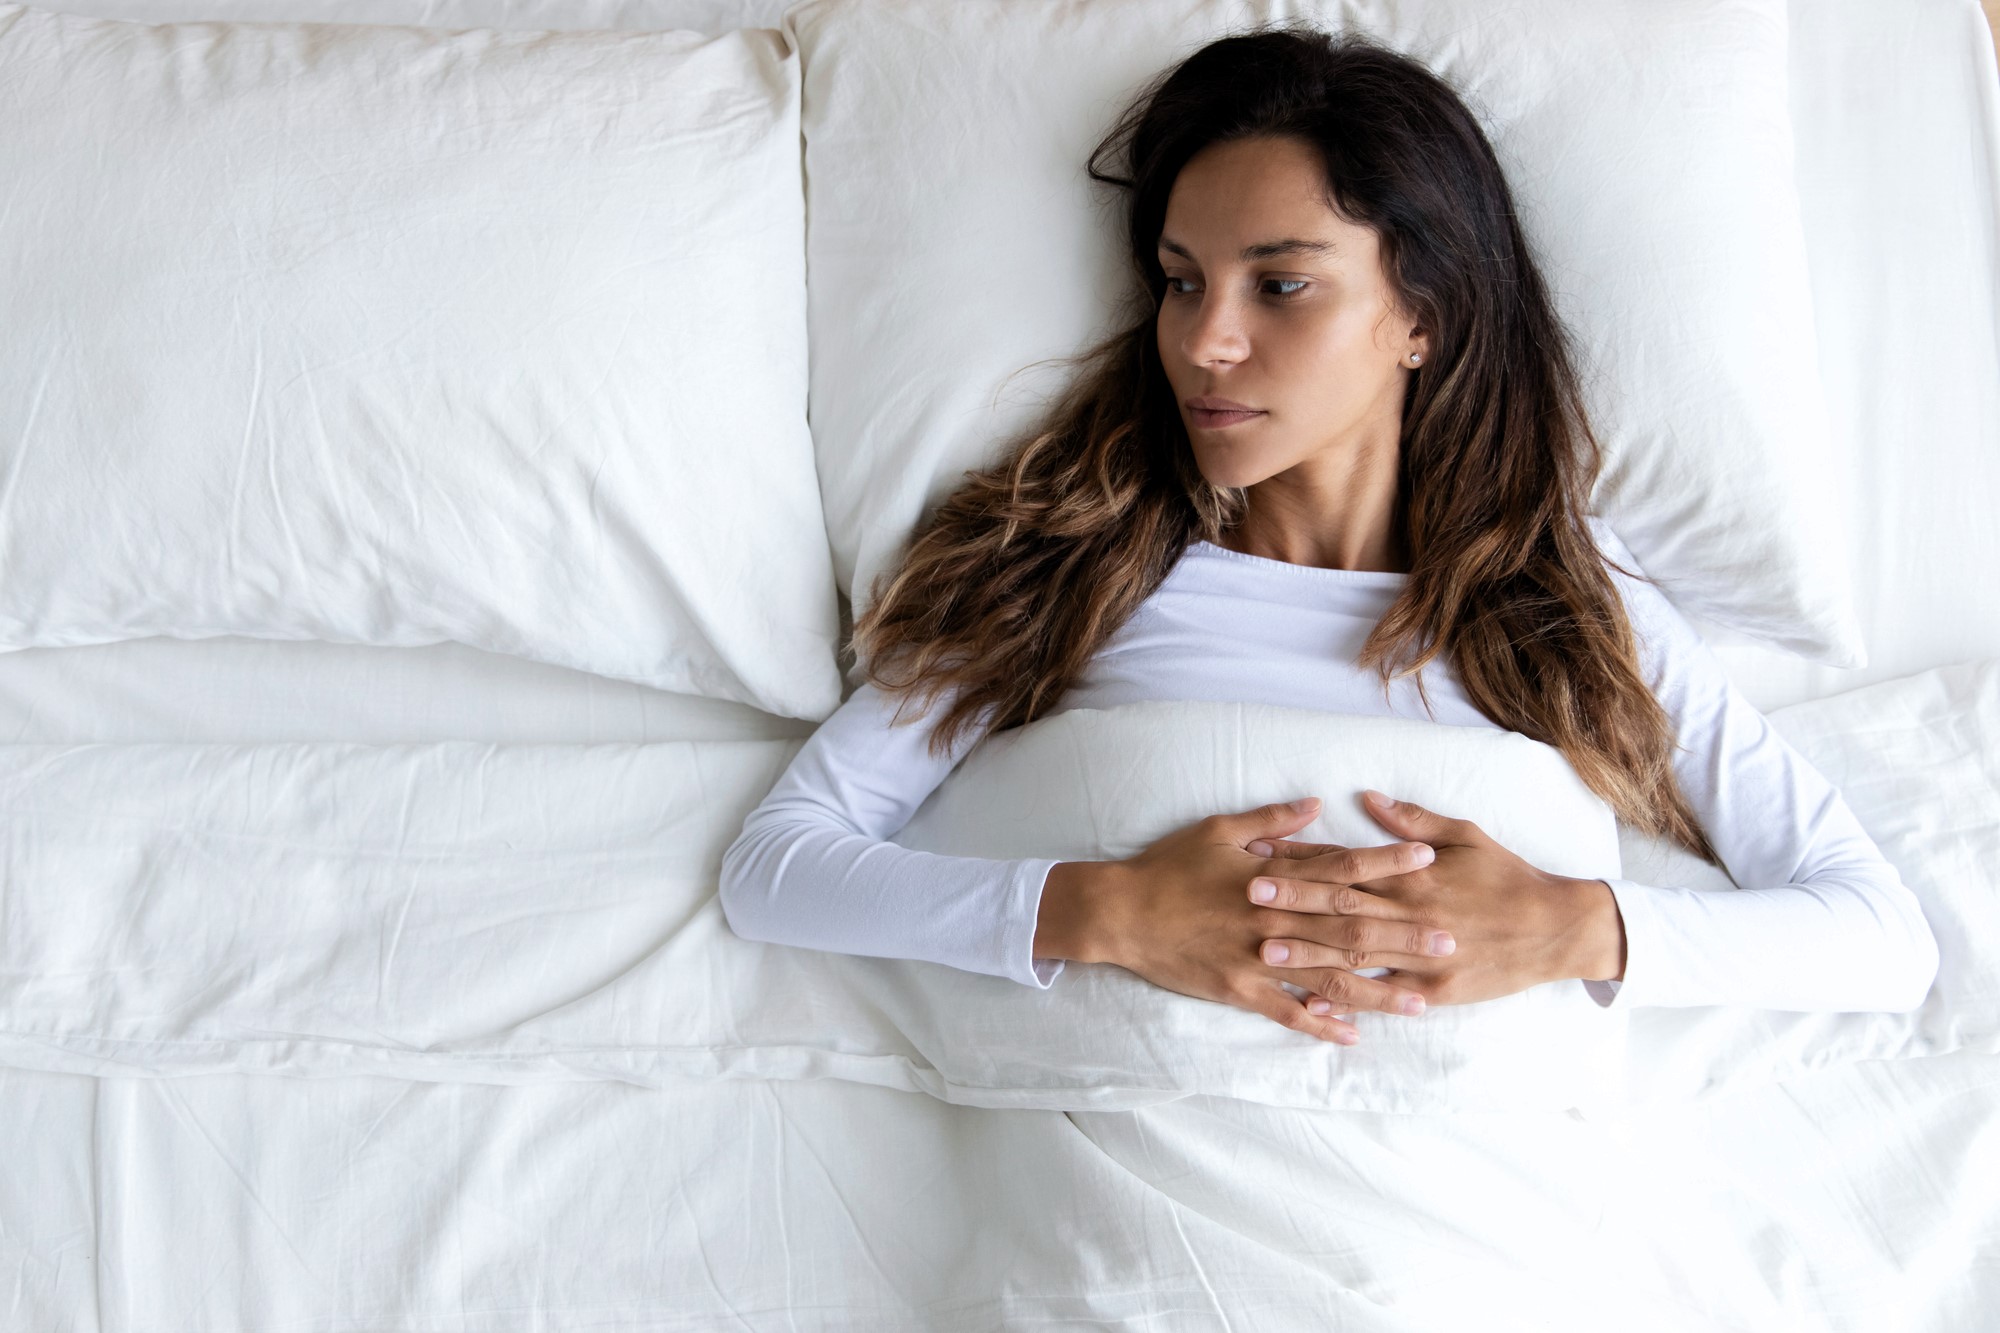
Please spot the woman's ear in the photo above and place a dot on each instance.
(1419, 349)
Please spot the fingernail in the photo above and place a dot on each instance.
(1376, 798)
(1262, 890)
(1442, 943)
(1305, 803)
(1413, 1004)
(1347, 1038)
(1260, 848)
(1422, 854)
(1319, 1007)
(1276, 953)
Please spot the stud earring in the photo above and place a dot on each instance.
(1415, 358)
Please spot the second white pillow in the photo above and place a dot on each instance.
(956, 241)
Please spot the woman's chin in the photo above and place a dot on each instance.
(1218, 472)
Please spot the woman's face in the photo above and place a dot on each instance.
(1276, 303)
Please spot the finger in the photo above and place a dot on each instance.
(1407, 819)
(1348, 992)
(1316, 885)
(1281, 1008)
(1429, 984)
(1367, 944)
(1268, 821)
(1284, 849)
(1358, 865)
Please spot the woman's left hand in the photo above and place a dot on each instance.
(1513, 926)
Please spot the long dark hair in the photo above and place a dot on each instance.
(1014, 582)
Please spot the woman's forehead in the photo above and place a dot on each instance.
(1253, 199)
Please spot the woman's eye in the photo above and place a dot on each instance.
(1291, 286)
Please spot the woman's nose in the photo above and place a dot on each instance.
(1216, 334)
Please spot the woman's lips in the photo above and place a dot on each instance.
(1215, 420)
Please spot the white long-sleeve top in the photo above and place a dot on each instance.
(1822, 922)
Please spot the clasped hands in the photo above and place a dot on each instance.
(1468, 920)
(1181, 913)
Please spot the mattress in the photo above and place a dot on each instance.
(1858, 1198)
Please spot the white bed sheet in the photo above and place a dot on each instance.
(249, 1203)
(242, 1202)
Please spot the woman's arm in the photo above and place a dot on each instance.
(813, 866)
(1823, 922)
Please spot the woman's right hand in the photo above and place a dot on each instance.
(1179, 914)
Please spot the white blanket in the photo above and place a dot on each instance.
(466, 912)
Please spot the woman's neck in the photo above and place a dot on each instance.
(1338, 509)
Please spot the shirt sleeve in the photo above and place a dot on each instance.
(814, 866)
(1822, 921)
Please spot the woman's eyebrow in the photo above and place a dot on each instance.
(1263, 249)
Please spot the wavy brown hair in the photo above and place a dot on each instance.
(1013, 583)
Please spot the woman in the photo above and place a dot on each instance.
(1343, 432)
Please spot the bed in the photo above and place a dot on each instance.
(381, 1177)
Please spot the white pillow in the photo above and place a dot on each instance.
(955, 239)
(1918, 761)
(1092, 784)
(397, 336)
